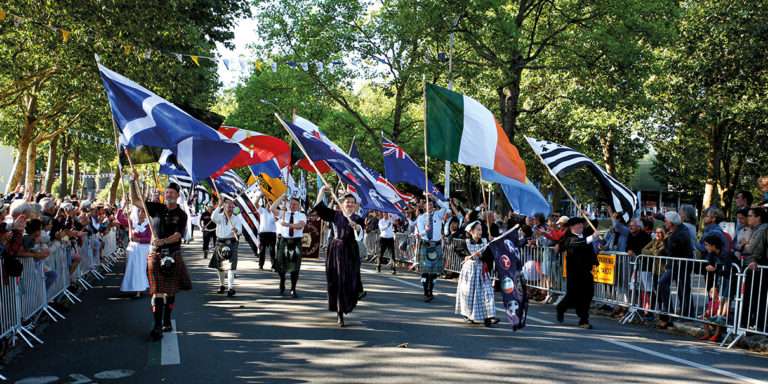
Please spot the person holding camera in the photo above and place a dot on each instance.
(166, 270)
(229, 226)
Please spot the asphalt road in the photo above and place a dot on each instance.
(392, 337)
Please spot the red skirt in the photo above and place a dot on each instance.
(169, 284)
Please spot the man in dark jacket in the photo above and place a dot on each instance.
(580, 259)
(677, 245)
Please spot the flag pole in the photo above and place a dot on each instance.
(314, 166)
(487, 206)
(578, 206)
(426, 154)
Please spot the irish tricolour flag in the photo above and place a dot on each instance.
(461, 130)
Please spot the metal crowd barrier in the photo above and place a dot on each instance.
(23, 299)
(751, 315)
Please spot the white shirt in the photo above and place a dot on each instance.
(385, 229)
(224, 226)
(437, 224)
(266, 221)
(298, 216)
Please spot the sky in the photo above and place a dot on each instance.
(245, 34)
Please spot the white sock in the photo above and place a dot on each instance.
(230, 279)
(221, 278)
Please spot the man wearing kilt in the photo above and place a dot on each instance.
(228, 227)
(166, 270)
(291, 224)
(429, 227)
(474, 293)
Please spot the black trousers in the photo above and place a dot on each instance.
(578, 295)
(267, 241)
(385, 244)
(209, 237)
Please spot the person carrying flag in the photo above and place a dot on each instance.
(291, 230)
(342, 265)
(429, 229)
(229, 226)
(474, 292)
(166, 270)
(580, 257)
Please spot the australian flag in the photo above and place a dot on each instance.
(403, 197)
(146, 119)
(373, 196)
(400, 168)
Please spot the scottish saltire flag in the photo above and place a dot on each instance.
(400, 168)
(145, 119)
(270, 168)
(373, 195)
(524, 198)
(560, 159)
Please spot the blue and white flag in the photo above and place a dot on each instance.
(372, 194)
(270, 168)
(144, 118)
(400, 168)
(523, 198)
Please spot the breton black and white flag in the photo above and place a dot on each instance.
(185, 182)
(249, 214)
(561, 159)
(202, 196)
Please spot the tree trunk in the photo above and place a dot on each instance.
(609, 153)
(25, 138)
(397, 116)
(510, 100)
(711, 192)
(63, 167)
(729, 191)
(50, 169)
(29, 185)
(116, 182)
(76, 177)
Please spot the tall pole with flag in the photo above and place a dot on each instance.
(426, 153)
(447, 187)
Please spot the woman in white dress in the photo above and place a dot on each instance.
(135, 278)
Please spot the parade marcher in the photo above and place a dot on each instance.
(209, 230)
(267, 236)
(474, 292)
(581, 257)
(166, 270)
(229, 226)
(342, 265)
(291, 231)
(135, 277)
(386, 241)
(429, 229)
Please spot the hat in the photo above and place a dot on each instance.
(174, 186)
(471, 225)
(576, 220)
(563, 220)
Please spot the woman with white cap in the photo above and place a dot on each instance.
(474, 293)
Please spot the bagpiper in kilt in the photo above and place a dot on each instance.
(166, 271)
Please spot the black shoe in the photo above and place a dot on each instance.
(156, 334)
(221, 289)
(167, 328)
(585, 326)
(428, 298)
(378, 268)
(282, 289)
(205, 255)
(261, 268)
(340, 320)
(494, 320)
(489, 322)
(394, 272)
(230, 293)
(294, 294)
(468, 320)
(560, 317)
(362, 295)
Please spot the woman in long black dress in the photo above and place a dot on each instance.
(342, 265)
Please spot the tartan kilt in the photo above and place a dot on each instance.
(159, 283)
(474, 293)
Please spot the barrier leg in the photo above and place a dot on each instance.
(71, 296)
(51, 312)
(86, 285)
(3, 378)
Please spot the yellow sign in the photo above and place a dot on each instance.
(604, 273)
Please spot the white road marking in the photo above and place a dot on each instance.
(689, 363)
(114, 374)
(169, 350)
